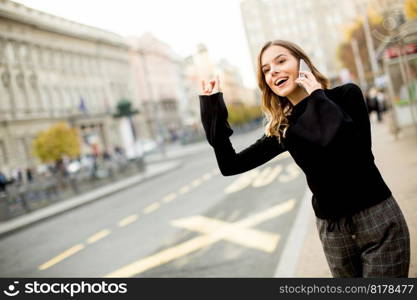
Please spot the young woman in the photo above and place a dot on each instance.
(327, 132)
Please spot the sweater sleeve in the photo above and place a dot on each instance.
(214, 118)
(355, 106)
(320, 120)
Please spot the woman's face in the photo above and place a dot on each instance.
(279, 64)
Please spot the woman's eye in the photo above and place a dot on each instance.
(282, 61)
(265, 70)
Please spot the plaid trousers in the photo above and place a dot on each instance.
(378, 246)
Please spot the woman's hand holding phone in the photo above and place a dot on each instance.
(306, 78)
(302, 67)
(212, 87)
(308, 82)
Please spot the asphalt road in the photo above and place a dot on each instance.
(189, 222)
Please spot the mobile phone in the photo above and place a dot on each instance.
(303, 67)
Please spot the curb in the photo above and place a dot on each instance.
(72, 203)
(290, 256)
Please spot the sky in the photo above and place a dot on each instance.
(182, 24)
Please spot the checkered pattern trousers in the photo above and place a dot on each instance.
(378, 246)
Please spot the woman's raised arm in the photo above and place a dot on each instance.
(214, 118)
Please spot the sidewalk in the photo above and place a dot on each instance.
(397, 162)
(152, 170)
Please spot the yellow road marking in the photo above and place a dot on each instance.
(247, 237)
(169, 197)
(293, 172)
(184, 189)
(207, 176)
(255, 239)
(268, 214)
(281, 156)
(61, 257)
(259, 178)
(98, 236)
(267, 176)
(217, 232)
(196, 182)
(151, 208)
(215, 171)
(242, 182)
(128, 220)
(163, 257)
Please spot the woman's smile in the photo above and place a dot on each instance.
(281, 82)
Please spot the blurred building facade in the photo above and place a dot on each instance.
(159, 84)
(315, 25)
(382, 6)
(200, 66)
(55, 70)
(232, 85)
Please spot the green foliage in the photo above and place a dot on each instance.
(241, 114)
(124, 109)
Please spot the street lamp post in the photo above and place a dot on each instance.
(369, 41)
(358, 63)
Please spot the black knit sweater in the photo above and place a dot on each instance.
(329, 138)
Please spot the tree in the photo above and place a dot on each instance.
(238, 114)
(356, 31)
(57, 142)
(380, 31)
(124, 109)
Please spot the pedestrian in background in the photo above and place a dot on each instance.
(381, 103)
(369, 102)
(29, 175)
(328, 134)
(3, 182)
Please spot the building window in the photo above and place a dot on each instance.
(2, 47)
(24, 55)
(20, 79)
(23, 149)
(46, 57)
(10, 53)
(38, 55)
(4, 159)
(46, 99)
(5, 77)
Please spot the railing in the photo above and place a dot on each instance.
(20, 199)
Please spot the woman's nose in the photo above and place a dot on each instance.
(274, 69)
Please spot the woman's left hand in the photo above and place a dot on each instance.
(309, 82)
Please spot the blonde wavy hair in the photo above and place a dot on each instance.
(276, 108)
